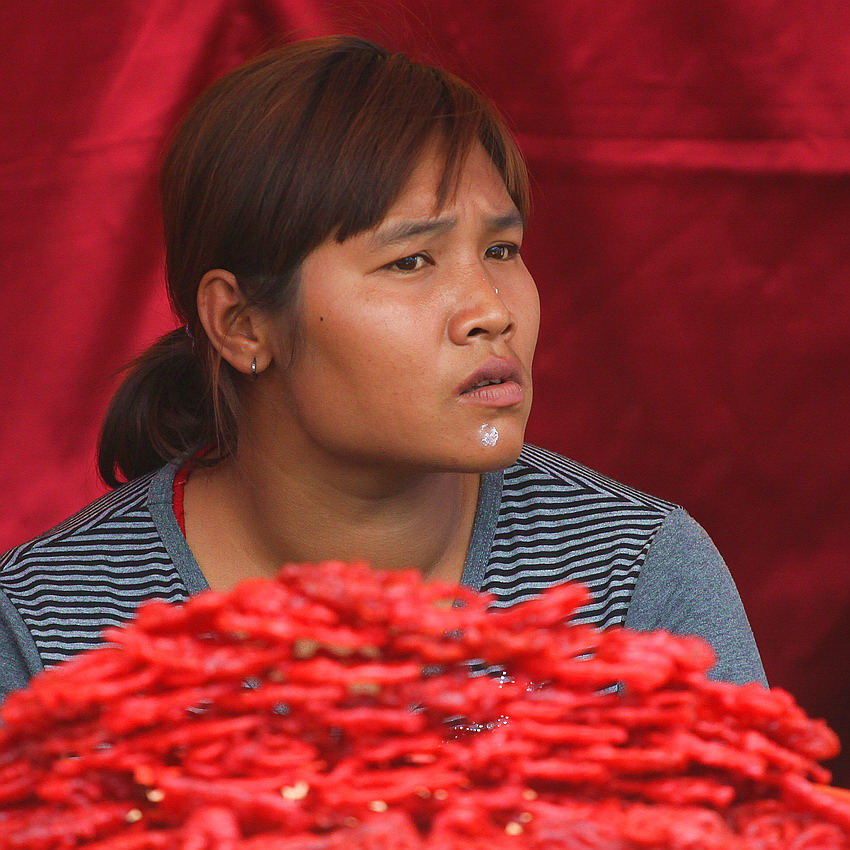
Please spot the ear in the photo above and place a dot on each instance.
(234, 328)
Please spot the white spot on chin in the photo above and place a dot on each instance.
(488, 434)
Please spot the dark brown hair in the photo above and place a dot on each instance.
(310, 141)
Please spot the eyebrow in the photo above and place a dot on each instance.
(404, 230)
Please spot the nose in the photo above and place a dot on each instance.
(481, 311)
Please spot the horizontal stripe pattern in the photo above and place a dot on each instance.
(558, 521)
(90, 572)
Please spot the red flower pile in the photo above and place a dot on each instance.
(334, 708)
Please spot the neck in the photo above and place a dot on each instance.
(253, 512)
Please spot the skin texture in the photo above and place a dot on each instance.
(360, 446)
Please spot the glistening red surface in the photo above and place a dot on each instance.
(337, 707)
(690, 165)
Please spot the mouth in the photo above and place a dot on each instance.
(497, 383)
(506, 394)
(495, 371)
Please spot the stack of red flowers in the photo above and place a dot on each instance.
(336, 707)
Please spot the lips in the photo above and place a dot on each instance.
(495, 371)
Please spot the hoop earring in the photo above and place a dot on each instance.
(254, 368)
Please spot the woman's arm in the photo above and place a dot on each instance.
(685, 587)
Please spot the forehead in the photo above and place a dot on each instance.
(479, 185)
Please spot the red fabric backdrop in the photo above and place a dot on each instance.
(691, 166)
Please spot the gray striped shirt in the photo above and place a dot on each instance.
(543, 521)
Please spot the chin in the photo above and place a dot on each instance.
(502, 459)
(488, 458)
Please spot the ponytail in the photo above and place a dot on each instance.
(161, 411)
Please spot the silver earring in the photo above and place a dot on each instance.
(496, 290)
(254, 368)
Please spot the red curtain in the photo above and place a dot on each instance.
(691, 171)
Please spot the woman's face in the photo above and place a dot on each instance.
(396, 322)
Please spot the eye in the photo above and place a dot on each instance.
(502, 251)
(413, 263)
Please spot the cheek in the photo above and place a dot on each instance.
(368, 345)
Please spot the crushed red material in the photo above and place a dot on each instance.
(336, 708)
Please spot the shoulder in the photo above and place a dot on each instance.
(545, 473)
(61, 589)
(684, 579)
(114, 517)
(685, 587)
(561, 521)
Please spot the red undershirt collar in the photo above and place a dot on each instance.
(179, 485)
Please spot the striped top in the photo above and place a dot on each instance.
(543, 521)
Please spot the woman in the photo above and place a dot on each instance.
(351, 378)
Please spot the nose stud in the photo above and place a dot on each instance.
(496, 290)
